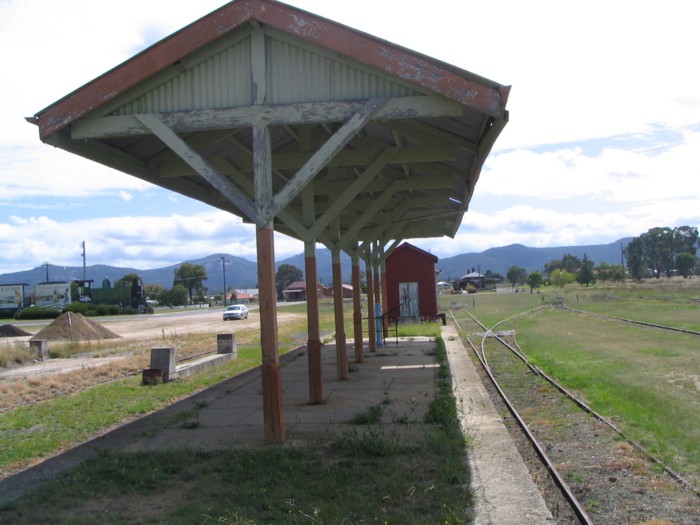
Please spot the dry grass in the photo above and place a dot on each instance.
(32, 389)
(14, 353)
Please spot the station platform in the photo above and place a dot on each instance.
(401, 372)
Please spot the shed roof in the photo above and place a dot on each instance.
(367, 140)
(407, 246)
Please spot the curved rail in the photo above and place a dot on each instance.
(581, 404)
(556, 477)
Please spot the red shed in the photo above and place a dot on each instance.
(411, 284)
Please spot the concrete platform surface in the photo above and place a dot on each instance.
(400, 377)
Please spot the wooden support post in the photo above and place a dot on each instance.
(357, 309)
(378, 300)
(314, 331)
(273, 409)
(340, 347)
(385, 299)
(370, 308)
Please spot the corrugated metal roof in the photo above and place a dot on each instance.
(181, 115)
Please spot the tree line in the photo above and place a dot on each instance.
(663, 251)
(560, 272)
(659, 251)
(188, 285)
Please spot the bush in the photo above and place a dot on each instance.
(35, 312)
(79, 308)
(94, 310)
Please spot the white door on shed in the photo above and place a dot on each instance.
(408, 295)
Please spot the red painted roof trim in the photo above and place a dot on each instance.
(409, 246)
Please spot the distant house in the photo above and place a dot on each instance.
(246, 296)
(297, 291)
(475, 279)
(411, 286)
(347, 291)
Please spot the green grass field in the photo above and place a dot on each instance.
(645, 379)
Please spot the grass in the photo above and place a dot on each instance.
(32, 432)
(368, 475)
(330, 482)
(646, 380)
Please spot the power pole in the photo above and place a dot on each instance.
(83, 254)
(223, 265)
(622, 262)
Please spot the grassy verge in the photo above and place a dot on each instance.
(30, 433)
(366, 476)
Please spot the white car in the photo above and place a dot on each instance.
(236, 311)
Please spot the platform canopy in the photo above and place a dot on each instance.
(363, 140)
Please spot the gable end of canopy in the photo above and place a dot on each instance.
(367, 140)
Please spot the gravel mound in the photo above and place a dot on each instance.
(8, 330)
(74, 327)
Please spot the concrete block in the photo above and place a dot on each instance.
(226, 344)
(163, 358)
(39, 348)
(152, 376)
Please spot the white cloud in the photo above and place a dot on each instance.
(151, 241)
(603, 140)
(41, 171)
(613, 175)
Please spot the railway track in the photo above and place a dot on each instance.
(603, 476)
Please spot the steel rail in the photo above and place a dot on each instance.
(553, 472)
(581, 404)
(632, 321)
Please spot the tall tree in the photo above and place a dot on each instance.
(635, 258)
(685, 263)
(534, 280)
(190, 276)
(585, 272)
(570, 263)
(177, 296)
(658, 250)
(516, 274)
(685, 239)
(286, 275)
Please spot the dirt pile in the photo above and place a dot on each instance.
(74, 327)
(8, 330)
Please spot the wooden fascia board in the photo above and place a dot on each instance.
(397, 108)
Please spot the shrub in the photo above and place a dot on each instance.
(35, 312)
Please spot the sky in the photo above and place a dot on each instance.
(603, 140)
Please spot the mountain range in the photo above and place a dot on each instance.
(242, 273)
